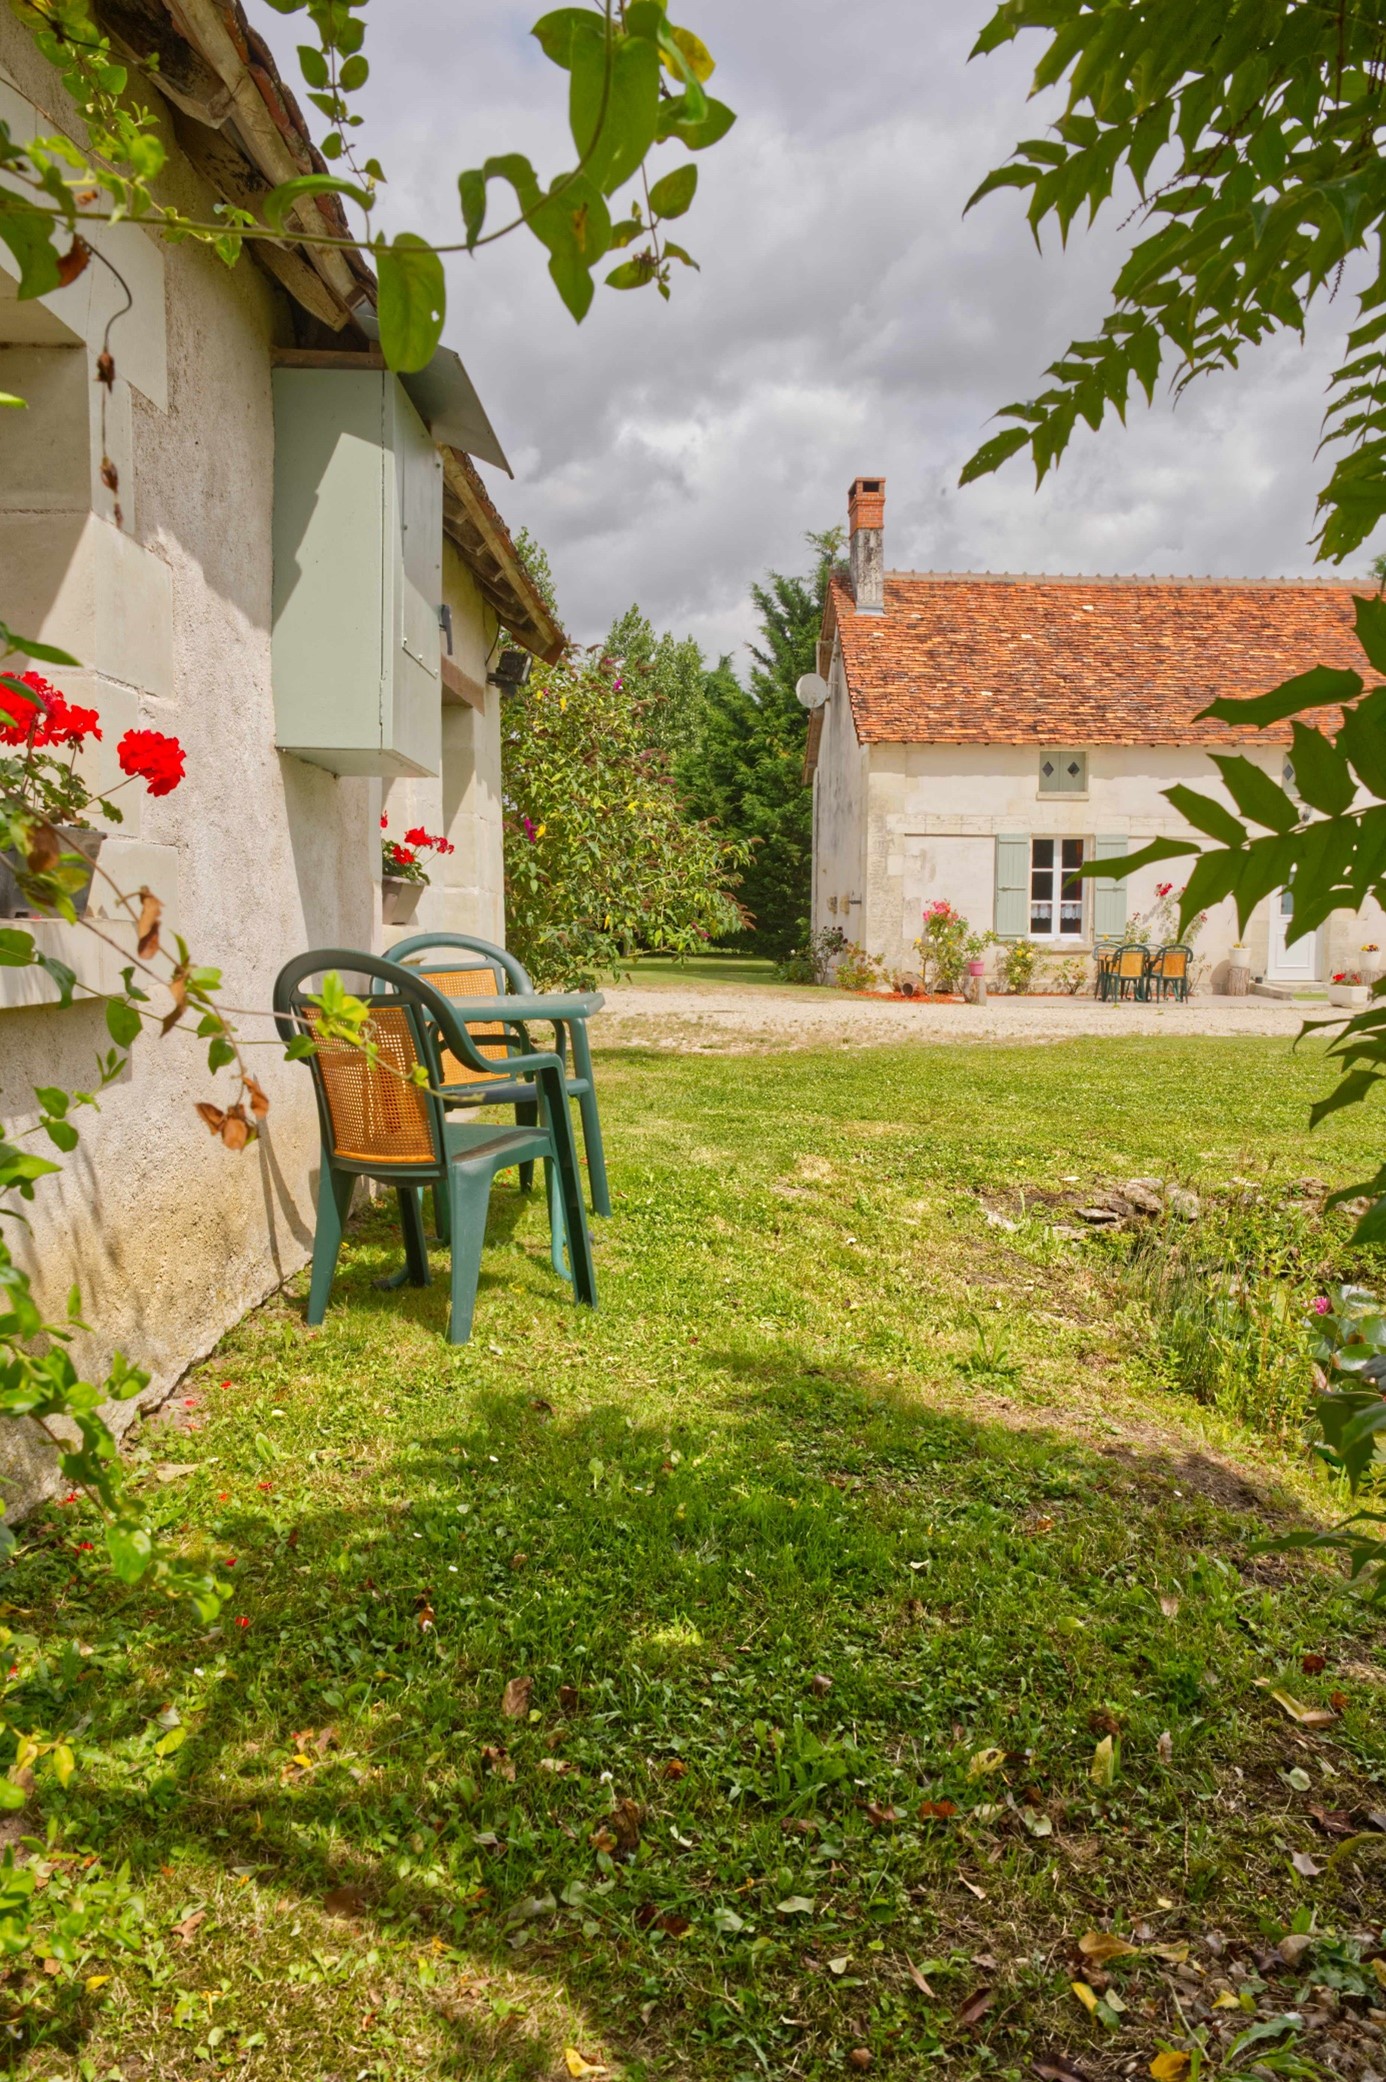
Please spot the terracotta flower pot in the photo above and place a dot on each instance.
(399, 899)
(76, 838)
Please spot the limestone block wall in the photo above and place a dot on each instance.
(258, 855)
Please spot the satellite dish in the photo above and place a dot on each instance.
(812, 690)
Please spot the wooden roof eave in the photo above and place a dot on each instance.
(482, 539)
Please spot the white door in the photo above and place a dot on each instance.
(1299, 962)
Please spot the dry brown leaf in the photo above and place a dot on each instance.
(860, 2057)
(211, 1116)
(1307, 1716)
(1334, 1821)
(1169, 1605)
(1165, 1747)
(1293, 1946)
(881, 1817)
(259, 1099)
(1312, 1664)
(626, 1818)
(43, 849)
(1102, 1945)
(235, 1128)
(515, 1698)
(972, 1887)
(976, 2006)
(602, 1840)
(919, 1981)
(568, 1698)
(345, 1901)
(1306, 1866)
(190, 1925)
(820, 1684)
(151, 911)
(498, 1760)
(1056, 2067)
(936, 1810)
(675, 1768)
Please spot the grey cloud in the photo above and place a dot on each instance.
(847, 318)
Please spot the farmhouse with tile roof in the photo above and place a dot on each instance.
(985, 734)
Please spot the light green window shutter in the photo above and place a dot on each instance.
(1013, 886)
(1109, 895)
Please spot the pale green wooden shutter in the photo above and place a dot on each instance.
(1013, 886)
(1108, 895)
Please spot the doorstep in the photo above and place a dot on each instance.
(1291, 993)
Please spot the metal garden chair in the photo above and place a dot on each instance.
(492, 971)
(377, 1123)
(1123, 973)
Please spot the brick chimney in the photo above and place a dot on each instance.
(866, 525)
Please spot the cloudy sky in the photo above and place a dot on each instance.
(846, 320)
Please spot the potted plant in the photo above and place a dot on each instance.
(403, 876)
(1347, 988)
(1369, 967)
(48, 849)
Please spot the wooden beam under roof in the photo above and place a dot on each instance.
(472, 522)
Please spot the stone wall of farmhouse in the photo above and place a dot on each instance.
(257, 855)
(935, 812)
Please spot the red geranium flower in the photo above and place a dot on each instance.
(417, 837)
(400, 856)
(153, 758)
(52, 720)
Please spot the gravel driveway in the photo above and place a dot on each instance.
(732, 1016)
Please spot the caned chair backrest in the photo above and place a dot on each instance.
(1130, 961)
(1174, 963)
(491, 1040)
(377, 1114)
(371, 1110)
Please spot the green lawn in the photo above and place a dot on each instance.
(702, 968)
(882, 1627)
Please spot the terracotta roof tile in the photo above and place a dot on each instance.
(982, 659)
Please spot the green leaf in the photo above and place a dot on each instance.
(28, 232)
(16, 948)
(695, 133)
(1321, 771)
(993, 453)
(1256, 794)
(631, 274)
(312, 64)
(412, 301)
(220, 1053)
(613, 106)
(279, 201)
(1363, 740)
(353, 75)
(12, 1797)
(62, 1134)
(173, 1740)
(30, 647)
(52, 1098)
(1318, 688)
(1206, 815)
(1370, 612)
(131, 1550)
(554, 32)
(674, 192)
(122, 1022)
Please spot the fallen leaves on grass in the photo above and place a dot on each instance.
(515, 1698)
(345, 1901)
(919, 1981)
(1102, 1945)
(860, 2057)
(577, 2066)
(984, 1761)
(1104, 1763)
(937, 1810)
(820, 1684)
(1307, 1716)
(498, 1760)
(1305, 1865)
(189, 1927)
(795, 1905)
(880, 1817)
(976, 2006)
(1056, 2067)
(626, 1818)
(649, 1917)
(1170, 2066)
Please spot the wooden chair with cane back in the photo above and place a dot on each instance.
(1167, 972)
(461, 965)
(377, 1121)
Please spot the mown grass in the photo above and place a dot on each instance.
(788, 1552)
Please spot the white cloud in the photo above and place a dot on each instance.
(847, 318)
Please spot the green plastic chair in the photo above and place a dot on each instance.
(495, 969)
(376, 1123)
(1168, 971)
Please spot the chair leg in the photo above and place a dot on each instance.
(558, 1228)
(526, 1116)
(440, 1215)
(334, 1205)
(469, 1195)
(591, 1121)
(415, 1243)
(575, 1214)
